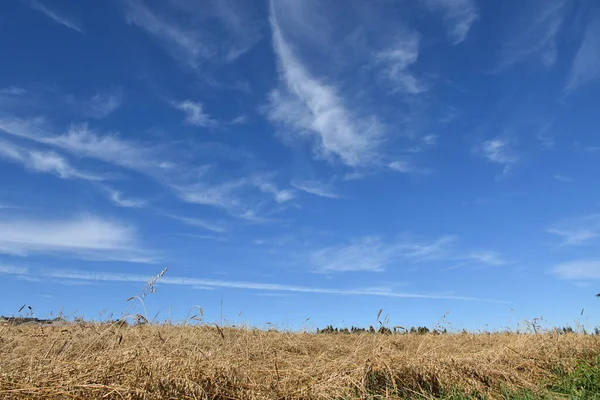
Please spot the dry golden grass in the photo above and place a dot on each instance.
(160, 362)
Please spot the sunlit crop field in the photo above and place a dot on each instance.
(88, 360)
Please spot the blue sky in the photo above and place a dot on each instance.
(302, 159)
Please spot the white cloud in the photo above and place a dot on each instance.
(373, 254)
(240, 120)
(10, 270)
(316, 188)
(86, 237)
(396, 60)
(240, 25)
(459, 16)
(101, 105)
(400, 166)
(191, 183)
(546, 140)
(198, 222)
(365, 254)
(405, 167)
(56, 16)
(430, 140)
(117, 198)
(184, 44)
(242, 198)
(307, 108)
(577, 270)
(13, 91)
(485, 257)
(535, 33)
(43, 161)
(499, 151)
(562, 178)
(84, 142)
(265, 186)
(194, 113)
(220, 195)
(577, 231)
(182, 28)
(258, 286)
(586, 65)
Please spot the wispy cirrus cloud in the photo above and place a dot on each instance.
(218, 195)
(243, 285)
(265, 185)
(10, 270)
(406, 167)
(84, 142)
(56, 16)
(577, 231)
(396, 60)
(562, 178)
(459, 16)
(586, 65)
(237, 196)
(534, 34)
(96, 105)
(194, 113)
(577, 270)
(318, 105)
(101, 105)
(198, 222)
(120, 200)
(13, 91)
(43, 161)
(364, 254)
(498, 150)
(182, 27)
(316, 188)
(192, 183)
(485, 258)
(373, 254)
(309, 109)
(183, 43)
(84, 237)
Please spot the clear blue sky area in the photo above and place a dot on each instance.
(302, 159)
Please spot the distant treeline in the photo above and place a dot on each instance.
(383, 330)
(423, 330)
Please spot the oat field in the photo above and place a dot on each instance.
(93, 360)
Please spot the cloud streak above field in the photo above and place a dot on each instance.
(213, 283)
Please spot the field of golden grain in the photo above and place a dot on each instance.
(82, 361)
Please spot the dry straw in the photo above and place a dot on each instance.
(161, 362)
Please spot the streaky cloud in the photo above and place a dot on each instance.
(194, 113)
(577, 231)
(316, 188)
(85, 237)
(243, 285)
(309, 109)
(586, 65)
(56, 16)
(459, 16)
(43, 162)
(577, 270)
